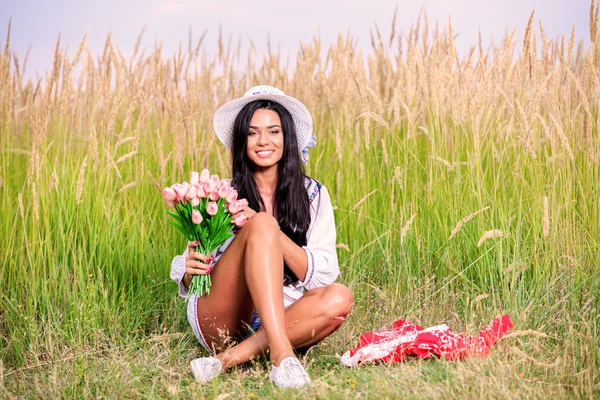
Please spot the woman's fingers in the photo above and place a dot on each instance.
(196, 268)
(239, 219)
(194, 255)
(199, 256)
(196, 263)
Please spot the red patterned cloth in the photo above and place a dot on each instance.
(407, 339)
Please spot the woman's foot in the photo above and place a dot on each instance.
(206, 368)
(289, 374)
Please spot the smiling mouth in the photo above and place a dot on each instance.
(264, 153)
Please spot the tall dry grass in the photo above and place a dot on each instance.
(412, 138)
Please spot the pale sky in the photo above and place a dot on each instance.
(38, 23)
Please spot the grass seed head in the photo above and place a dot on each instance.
(53, 184)
(406, 228)
(125, 187)
(36, 202)
(496, 233)
(21, 208)
(546, 218)
(81, 181)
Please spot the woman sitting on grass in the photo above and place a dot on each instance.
(287, 246)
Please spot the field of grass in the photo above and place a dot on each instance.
(425, 155)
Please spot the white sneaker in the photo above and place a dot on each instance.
(206, 368)
(289, 374)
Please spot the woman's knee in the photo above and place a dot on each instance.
(261, 222)
(337, 301)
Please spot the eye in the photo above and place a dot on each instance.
(251, 133)
(275, 132)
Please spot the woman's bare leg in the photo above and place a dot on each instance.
(249, 274)
(309, 320)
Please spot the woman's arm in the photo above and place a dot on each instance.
(178, 268)
(294, 256)
(315, 264)
(322, 266)
(187, 279)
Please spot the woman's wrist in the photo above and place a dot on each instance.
(186, 280)
(294, 256)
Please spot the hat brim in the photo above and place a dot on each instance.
(226, 114)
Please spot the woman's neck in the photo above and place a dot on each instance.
(266, 181)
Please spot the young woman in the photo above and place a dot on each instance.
(272, 283)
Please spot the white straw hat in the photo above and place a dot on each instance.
(226, 114)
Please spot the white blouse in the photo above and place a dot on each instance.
(323, 268)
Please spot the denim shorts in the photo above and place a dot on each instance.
(192, 315)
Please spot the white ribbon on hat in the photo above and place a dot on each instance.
(311, 143)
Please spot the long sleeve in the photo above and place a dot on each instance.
(323, 267)
(177, 272)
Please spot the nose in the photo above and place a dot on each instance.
(263, 139)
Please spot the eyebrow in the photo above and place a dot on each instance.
(268, 127)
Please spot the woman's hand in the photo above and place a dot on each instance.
(196, 263)
(246, 212)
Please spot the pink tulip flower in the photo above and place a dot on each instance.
(223, 189)
(194, 178)
(209, 186)
(195, 201)
(180, 190)
(169, 194)
(196, 217)
(215, 180)
(240, 220)
(204, 176)
(212, 208)
(214, 196)
(191, 192)
(232, 196)
(170, 203)
(243, 203)
(234, 207)
(200, 191)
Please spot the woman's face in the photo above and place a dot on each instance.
(265, 138)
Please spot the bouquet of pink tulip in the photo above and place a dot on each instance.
(205, 209)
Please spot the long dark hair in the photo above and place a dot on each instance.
(290, 203)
